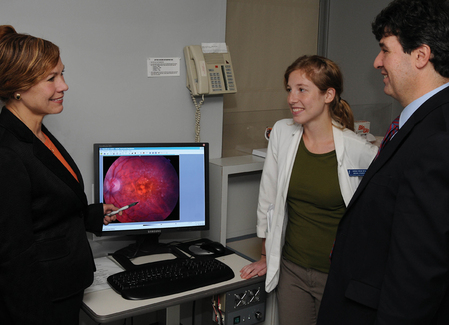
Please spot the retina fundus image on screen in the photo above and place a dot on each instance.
(152, 181)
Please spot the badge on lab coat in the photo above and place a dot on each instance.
(356, 172)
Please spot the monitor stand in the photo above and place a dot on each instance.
(145, 245)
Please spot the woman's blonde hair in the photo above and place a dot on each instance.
(325, 74)
(24, 61)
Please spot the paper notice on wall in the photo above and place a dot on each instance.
(163, 67)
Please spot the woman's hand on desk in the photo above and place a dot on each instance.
(257, 268)
(107, 208)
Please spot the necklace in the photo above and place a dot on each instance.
(49, 144)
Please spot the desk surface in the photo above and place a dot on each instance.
(106, 305)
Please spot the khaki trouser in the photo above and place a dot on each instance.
(299, 294)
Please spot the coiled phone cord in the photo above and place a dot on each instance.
(197, 116)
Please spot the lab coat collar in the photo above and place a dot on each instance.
(337, 130)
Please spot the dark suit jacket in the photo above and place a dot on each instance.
(44, 252)
(390, 263)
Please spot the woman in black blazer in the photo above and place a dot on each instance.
(45, 258)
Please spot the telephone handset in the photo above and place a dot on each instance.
(209, 73)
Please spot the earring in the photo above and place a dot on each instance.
(18, 97)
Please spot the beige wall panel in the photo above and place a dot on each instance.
(264, 37)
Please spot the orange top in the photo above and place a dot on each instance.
(58, 155)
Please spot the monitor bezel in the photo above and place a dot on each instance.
(153, 231)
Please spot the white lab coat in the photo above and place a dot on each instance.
(353, 153)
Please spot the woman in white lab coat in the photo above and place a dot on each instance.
(313, 166)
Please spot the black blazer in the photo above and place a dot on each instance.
(44, 252)
(390, 263)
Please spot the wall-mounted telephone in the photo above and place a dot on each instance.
(209, 73)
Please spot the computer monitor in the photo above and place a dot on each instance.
(169, 182)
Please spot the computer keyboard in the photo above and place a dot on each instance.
(169, 277)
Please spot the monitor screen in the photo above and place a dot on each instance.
(169, 182)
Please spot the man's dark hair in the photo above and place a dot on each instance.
(418, 22)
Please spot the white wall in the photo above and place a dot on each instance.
(353, 46)
(104, 47)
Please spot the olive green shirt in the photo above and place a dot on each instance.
(315, 207)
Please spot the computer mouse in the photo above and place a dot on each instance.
(197, 250)
(214, 247)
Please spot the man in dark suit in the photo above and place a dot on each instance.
(390, 263)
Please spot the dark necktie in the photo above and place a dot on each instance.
(392, 130)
